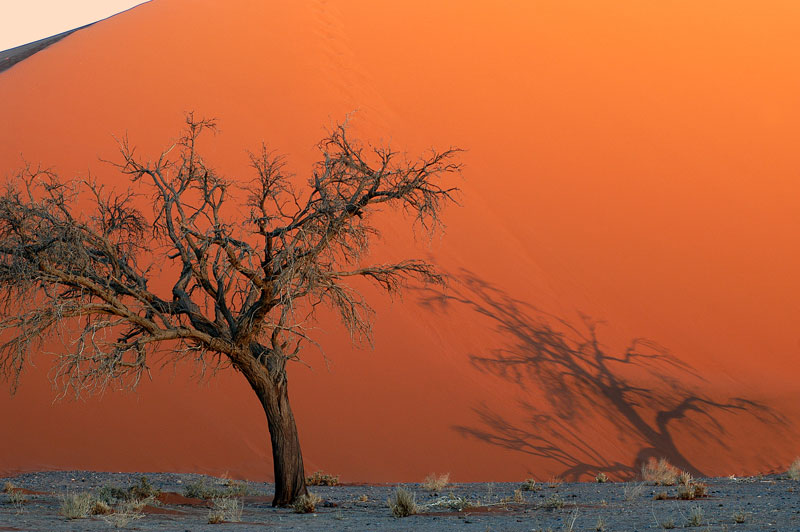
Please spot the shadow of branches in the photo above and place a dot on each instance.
(642, 389)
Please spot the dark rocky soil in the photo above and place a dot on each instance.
(760, 503)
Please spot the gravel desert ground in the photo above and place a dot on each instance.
(768, 503)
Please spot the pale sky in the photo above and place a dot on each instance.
(24, 21)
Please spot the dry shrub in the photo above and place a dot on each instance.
(529, 485)
(691, 491)
(76, 505)
(659, 472)
(319, 478)
(137, 505)
(402, 503)
(306, 504)
(660, 496)
(8, 487)
(143, 490)
(685, 478)
(363, 498)
(601, 478)
(100, 508)
(740, 516)
(226, 509)
(436, 483)
(794, 470)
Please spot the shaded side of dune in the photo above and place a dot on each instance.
(12, 56)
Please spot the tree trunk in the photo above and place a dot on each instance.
(290, 480)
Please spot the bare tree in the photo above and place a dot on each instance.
(78, 261)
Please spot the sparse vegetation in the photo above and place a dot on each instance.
(143, 490)
(402, 503)
(600, 526)
(660, 496)
(319, 478)
(76, 505)
(452, 502)
(112, 494)
(740, 516)
(226, 509)
(18, 498)
(667, 524)
(8, 487)
(696, 516)
(601, 478)
(553, 502)
(569, 525)
(140, 491)
(436, 483)
(363, 498)
(659, 472)
(529, 485)
(306, 503)
(633, 490)
(794, 470)
(204, 489)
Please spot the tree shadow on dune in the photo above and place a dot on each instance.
(642, 390)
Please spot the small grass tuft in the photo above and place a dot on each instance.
(633, 490)
(306, 504)
(740, 516)
(601, 478)
(696, 516)
(600, 526)
(435, 482)
(659, 472)
(529, 485)
(227, 509)
(660, 496)
(402, 503)
(320, 478)
(667, 524)
(794, 470)
(8, 487)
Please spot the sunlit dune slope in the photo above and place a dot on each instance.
(624, 261)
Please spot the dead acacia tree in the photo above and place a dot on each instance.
(89, 265)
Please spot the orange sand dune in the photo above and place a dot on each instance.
(625, 260)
